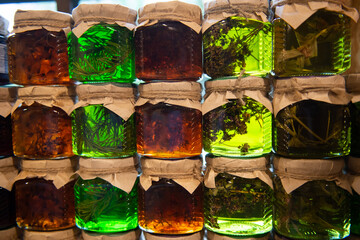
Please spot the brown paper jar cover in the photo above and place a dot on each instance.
(194, 236)
(11, 233)
(214, 236)
(130, 235)
(69, 234)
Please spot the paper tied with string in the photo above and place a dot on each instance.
(218, 10)
(87, 15)
(354, 173)
(330, 89)
(50, 96)
(221, 92)
(10, 233)
(60, 172)
(185, 94)
(185, 172)
(353, 86)
(214, 236)
(28, 20)
(120, 173)
(8, 173)
(118, 98)
(243, 168)
(295, 12)
(7, 100)
(68, 234)
(194, 236)
(129, 235)
(294, 173)
(188, 14)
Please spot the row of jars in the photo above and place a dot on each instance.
(167, 44)
(312, 197)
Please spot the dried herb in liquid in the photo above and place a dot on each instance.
(238, 206)
(316, 210)
(101, 207)
(104, 53)
(312, 129)
(167, 208)
(99, 132)
(238, 128)
(5, 136)
(319, 46)
(168, 131)
(236, 44)
(7, 208)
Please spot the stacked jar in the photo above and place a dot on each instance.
(311, 46)
(168, 57)
(237, 118)
(102, 61)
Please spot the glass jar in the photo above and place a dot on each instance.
(353, 87)
(4, 76)
(41, 126)
(312, 117)
(103, 121)
(236, 37)
(312, 38)
(169, 204)
(101, 45)
(311, 199)
(37, 49)
(238, 196)
(353, 165)
(237, 117)
(44, 195)
(168, 120)
(168, 44)
(106, 195)
(68, 234)
(7, 98)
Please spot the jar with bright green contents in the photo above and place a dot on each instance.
(237, 117)
(238, 196)
(103, 121)
(237, 38)
(106, 195)
(101, 45)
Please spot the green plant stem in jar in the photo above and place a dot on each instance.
(104, 53)
(99, 132)
(236, 44)
(238, 128)
(238, 206)
(319, 46)
(316, 210)
(101, 207)
(312, 129)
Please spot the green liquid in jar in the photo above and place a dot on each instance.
(101, 207)
(99, 132)
(104, 53)
(238, 206)
(238, 129)
(235, 44)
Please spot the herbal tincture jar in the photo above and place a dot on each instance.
(7, 98)
(101, 45)
(354, 179)
(238, 196)
(353, 87)
(312, 199)
(237, 117)
(168, 44)
(103, 121)
(168, 120)
(312, 37)
(171, 196)
(312, 117)
(4, 76)
(68, 234)
(236, 38)
(8, 172)
(41, 126)
(106, 195)
(44, 195)
(37, 49)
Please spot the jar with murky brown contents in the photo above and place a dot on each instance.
(168, 120)
(41, 126)
(44, 195)
(37, 49)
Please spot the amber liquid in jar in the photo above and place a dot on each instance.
(168, 50)
(168, 208)
(41, 132)
(168, 131)
(5, 136)
(41, 206)
(38, 57)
